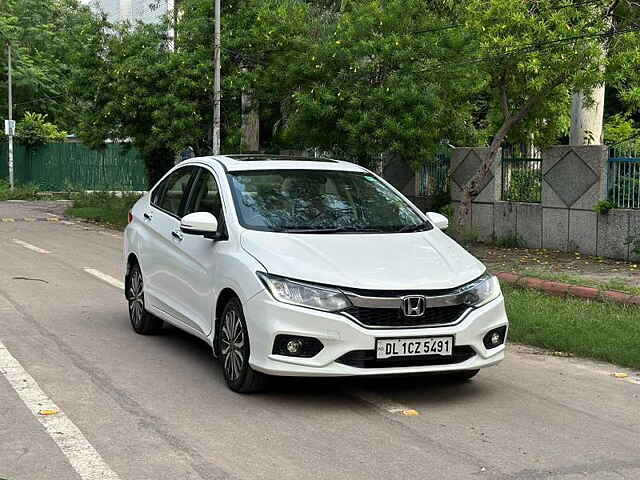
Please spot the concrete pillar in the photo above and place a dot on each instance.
(574, 180)
(465, 162)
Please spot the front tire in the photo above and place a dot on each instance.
(234, 351)
(142, 321)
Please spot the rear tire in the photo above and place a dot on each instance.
(142, 321)
(462, 375)
(234, 350)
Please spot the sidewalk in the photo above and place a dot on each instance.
(554, 265)
(562, 274)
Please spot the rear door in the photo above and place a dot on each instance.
(160, 254)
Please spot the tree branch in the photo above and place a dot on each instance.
(504, 100)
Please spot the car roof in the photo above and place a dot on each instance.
(246, 162)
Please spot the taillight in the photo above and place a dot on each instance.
(129, 217)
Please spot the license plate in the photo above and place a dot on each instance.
(409, 347)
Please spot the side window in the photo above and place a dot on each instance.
(206, 196)
(176, 190)
(157, 193)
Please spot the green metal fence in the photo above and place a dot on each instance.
(433, 176)
(59, 166)
(624, 173)
(521, 174)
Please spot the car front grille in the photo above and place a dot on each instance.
(395, 318)
(367, 359)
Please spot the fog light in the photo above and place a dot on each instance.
(494, 338)
(294, 346)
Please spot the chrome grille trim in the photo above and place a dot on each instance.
(459, 320)
(457, 298)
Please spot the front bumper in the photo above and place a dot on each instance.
(340, 335)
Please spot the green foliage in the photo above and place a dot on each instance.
(603, 206)
(510, 241)
(20, 192)
(620, 127)
(44, 36)
(103, 207)
(523, 185)
(362, 79)
(374, 87)
(34, 130)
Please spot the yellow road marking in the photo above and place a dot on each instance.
(8, 220)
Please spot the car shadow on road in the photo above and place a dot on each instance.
(421, 388)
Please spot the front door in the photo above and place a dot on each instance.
(161, 259)
(198, 254)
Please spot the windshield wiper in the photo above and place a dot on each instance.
(421, 227)
(332, 230)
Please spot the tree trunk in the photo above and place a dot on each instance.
(250, 132)
(250, 129)
(470, 189)
(586, 120)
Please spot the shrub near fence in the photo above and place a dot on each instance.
(58, 166)
(521, 175)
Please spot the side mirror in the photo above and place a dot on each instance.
(438, 220)
(200, 223)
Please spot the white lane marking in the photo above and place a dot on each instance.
(84, 459)
(29, 246)
(52, 215)
(105, 278)
(383, 403)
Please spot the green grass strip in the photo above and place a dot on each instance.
(602, 331)
(105, 208)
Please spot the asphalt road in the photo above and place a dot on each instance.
(157, 408)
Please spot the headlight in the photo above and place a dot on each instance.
(482, 291)
(304, 294)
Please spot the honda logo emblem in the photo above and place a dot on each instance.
(414, 305)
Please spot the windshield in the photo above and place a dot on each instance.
(320, 201)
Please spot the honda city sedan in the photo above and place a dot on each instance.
(307, 267)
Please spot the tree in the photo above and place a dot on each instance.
(377, 87)
(134, 89)
(43, 33)
(533, 55)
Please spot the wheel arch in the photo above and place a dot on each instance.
(225, 295)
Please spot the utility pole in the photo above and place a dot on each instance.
(10, 132)
(216, 81)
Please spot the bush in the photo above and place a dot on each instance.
(34, 130)
(603, 206)
(510, 241)
(20, 192)
(103, 207)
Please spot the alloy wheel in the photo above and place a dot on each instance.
(136, 298)
(232, 343)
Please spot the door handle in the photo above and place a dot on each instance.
(177, 235)
(147, 216)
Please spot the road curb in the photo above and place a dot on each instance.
(564, 290)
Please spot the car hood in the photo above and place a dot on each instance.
(398, 261)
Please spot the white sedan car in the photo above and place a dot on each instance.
(307, 267)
